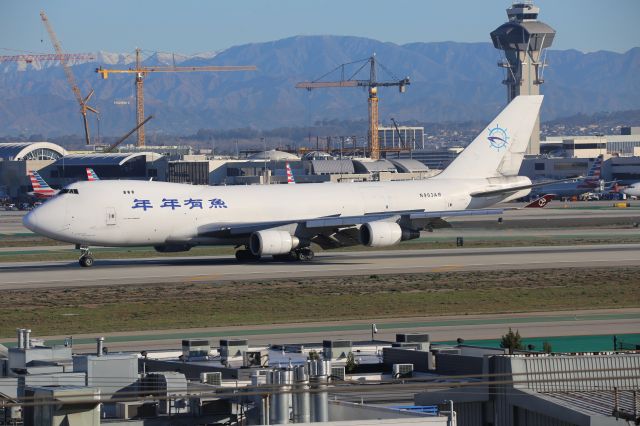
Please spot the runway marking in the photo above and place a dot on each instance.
(446, 268)
(202, 277)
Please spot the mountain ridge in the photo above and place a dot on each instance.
(450, 81)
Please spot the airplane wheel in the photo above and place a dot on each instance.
(287, 257)
(246, 256)
(86, 261)
(305, 255)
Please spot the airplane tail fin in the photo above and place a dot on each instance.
(290, 178)
(540, 202)
(594, 173)
(499, 149)
(39, 184)
(91, 174)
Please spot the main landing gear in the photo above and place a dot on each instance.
(304, 254)
(86, 257)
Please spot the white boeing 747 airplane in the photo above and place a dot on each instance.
(283, 220)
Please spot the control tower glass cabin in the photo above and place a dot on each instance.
(523, 40)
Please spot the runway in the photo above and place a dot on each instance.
(31, 275)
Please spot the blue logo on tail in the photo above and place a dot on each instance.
(498, 138)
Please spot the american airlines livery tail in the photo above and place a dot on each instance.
(594, 173)
(41, 188)
(290, 178)
(283, 220)
(91, 175)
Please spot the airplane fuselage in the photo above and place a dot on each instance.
(137, 213)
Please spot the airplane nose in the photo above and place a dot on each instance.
(32, 221)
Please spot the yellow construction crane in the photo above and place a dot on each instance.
(70, 78)
(372, 84)
(141, 72)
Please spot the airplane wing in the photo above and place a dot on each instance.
(416, 219)
(514, 189)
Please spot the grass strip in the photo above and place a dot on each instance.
(208, 304)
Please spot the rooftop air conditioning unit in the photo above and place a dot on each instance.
(402, 370)
(211, 378)
(337, 373)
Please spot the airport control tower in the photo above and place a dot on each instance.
(523, 39)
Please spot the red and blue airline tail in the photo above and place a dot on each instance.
(41, 188)
(290, 178)
(540, 202)
(91, 175)
(594, 173)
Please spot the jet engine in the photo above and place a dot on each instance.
(172, 248)
(270, 242)
(384, 234)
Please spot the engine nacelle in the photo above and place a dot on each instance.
(384, 234)
(172, 248)
(270, 242)
(380, 234)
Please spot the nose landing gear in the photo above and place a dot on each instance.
(86, 257)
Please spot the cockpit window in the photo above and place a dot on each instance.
(68, 191)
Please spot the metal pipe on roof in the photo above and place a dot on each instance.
(26, 338)
(318, 378)
(301, 398)
(19, 332)
(99, 346)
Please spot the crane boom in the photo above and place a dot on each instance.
(105, 72)
(47, 57)
(322, 84)
(372, 84)
(70, 77)
(56, 45)
(140, 73)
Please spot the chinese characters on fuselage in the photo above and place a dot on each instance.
(174, 203)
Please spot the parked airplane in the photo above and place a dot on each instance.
(41, 188)
(632, 190)
(91, 175)
(290, 178)
(283, 220)
(591, 183)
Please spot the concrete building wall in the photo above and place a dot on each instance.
(470, 413)
(19, 358)
(111, 373)
(448, 364)
(421, 360)
(67, 413)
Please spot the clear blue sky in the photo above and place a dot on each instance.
(190, 26)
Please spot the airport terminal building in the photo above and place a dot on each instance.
(17, 158)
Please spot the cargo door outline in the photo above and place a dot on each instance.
(111, 216)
